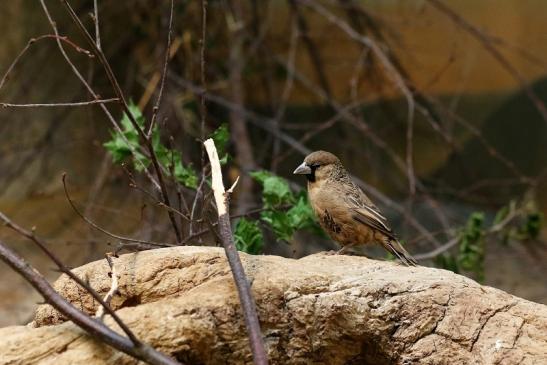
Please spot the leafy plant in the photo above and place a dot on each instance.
(471, 246)
(126, 145)
(277, 197)
(448, 262)
(513, 222)
(221, 136)
(275, 190)
(248, 236)
(284, 213)
(531, 226)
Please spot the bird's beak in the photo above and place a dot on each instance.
(303, 169)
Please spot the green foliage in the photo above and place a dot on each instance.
(531, 227)
(125, 145)
(301, 215)
(121, 144)
(471, 246)
(221, 136)
(275, 190)
(528, 226)
(284, 211)
(448, 262)
(248, 236)
(513, 222)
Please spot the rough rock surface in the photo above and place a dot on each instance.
(321, 309)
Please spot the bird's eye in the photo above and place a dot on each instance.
(315, 166)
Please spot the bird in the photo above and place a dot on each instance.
(344, 211)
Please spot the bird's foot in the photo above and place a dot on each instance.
(344, 250)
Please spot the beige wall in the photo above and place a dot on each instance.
(441, 57)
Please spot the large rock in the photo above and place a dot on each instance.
(322, 309)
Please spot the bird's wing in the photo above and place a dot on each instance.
(367, 213)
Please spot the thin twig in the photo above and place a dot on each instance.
(56, 105)
(96, 21)
(225, 231)
(437, 251)
(488, 45)
(456, 240)
(30, 43)
(97, 227)
(232, 217)
(92, 92)
(203, 109)
(268, 125)
(287, 89)
(311, 48)
(391, 72)
(119, 93)
(202, 112)
(43, 246)
(93, 327)
(199, 193)
(156, 107)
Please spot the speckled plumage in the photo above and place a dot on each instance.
(346, 214)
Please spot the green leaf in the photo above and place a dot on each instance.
(260, 175)
(221, 136)
(531, 227)
(172, 161)
(123, 143)
(248, 237)
(276, 190)
(301, 215)
(276, 197)
(280, 223)
(185, 174)
(447, 262)
(118, 149)
(136, 113)
(471, 246)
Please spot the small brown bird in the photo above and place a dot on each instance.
(344, 211)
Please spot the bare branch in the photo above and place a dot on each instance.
(96, 22)
(97, 227)
(118, 91)
(163, 73)
(30, 43)
(511, 215)
(391, 72)
(268, 125)
(54, 105)
(203, 115)
(91, 91)
(244, 290)
(98, 330)
(488, 43)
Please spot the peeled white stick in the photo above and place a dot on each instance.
(218, 185)
(225, 232)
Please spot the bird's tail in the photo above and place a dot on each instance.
(396, 249)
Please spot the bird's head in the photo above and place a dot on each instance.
(318, 166)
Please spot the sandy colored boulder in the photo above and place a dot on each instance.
(321, 309)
